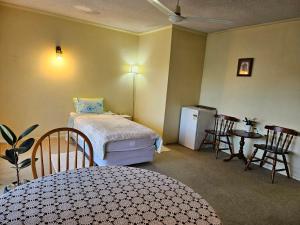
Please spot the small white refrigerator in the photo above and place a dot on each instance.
(194, 121)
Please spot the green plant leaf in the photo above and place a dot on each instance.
(7, 134)
(21, 150)
(14, 137)
(26, 145)
(24, 166)
(25, 163)
(28, 131)
(11, 156)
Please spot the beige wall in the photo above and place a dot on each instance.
(151, 84)
(171, 72)
(37, 89)
(185, 75)
(272, 94)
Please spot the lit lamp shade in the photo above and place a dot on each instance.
(134, 69)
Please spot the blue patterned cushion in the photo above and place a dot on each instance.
(88, 105)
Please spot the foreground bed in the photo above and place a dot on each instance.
(116, 140)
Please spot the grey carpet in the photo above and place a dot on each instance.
(239, 197)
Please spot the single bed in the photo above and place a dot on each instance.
(116, 140)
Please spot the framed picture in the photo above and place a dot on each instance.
(245, 67)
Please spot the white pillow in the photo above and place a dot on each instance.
(88, 105)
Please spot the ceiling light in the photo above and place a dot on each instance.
(83, 8)
(86, 9)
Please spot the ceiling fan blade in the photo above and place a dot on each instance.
(209, 20)
(157, 4)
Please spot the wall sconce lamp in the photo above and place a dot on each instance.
(58, 53)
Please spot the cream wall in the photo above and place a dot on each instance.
(37, 89)
(185, 76)
(272, 94)
(171, 72)
(151, 84)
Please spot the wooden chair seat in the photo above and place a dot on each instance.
(218, 133)
(270, 148)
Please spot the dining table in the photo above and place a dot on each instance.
(105, 195)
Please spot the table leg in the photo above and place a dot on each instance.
(240, 155)
(241, 151)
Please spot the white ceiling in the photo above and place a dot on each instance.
(140, 16)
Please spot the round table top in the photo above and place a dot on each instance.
(245, 134)
(105, 195)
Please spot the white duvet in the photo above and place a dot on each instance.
(104, 128)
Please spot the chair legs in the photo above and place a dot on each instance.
(229, 145)
(250, 160)
(274, 167)
(203, 141)
(217, 147)
(262, 162)
(216, 143)
(286, 166)
(274, 163)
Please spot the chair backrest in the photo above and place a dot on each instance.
(79, 139)
(224, 123)
(279, 138)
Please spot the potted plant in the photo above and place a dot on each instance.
(251, 124)
(16, 149)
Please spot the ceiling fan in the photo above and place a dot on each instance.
(176, 17)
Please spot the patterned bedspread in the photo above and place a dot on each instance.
(104, 128)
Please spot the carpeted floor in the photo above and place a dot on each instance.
(239, 197)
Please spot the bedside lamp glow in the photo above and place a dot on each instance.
(134, 69)
(59, 53)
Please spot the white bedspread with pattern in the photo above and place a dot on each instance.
(104, 128)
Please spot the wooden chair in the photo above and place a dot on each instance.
(45, 140)
(223, 124)
(278, 141)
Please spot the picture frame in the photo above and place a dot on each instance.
(244, 68)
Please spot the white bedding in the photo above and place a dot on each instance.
(107, 130)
